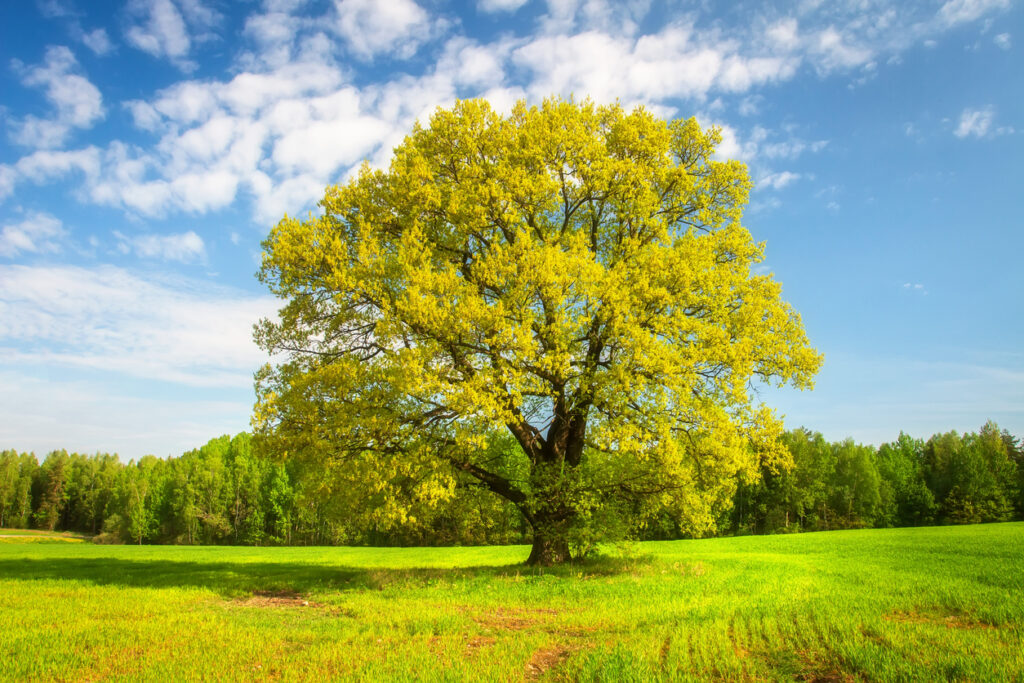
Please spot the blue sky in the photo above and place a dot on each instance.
(148, 146)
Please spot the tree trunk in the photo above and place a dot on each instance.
(548, 549)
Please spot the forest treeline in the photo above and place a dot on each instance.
(224, 493)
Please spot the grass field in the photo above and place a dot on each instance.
(904, 604)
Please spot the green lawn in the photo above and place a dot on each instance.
(905, 604)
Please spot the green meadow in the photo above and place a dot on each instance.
(941, 603)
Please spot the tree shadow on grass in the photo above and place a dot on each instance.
(232, 579)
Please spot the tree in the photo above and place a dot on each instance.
(907, 501)
(1015, 452)
(856, 485)
(573, 275)
(52, 483)
(971, 475)
(9, 474)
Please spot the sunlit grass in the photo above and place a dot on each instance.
(906, 604)
(33, 536)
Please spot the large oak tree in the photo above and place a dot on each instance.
(558, 305)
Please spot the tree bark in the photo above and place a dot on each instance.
(548, 549)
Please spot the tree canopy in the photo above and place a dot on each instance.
(557, 305)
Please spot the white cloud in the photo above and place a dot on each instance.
(47, 165)
(471, 65)
(915, 287)
(289, 196)
(59, 410)
(784, 34)
(162, 28)
(759, 146)
(732, 147)
(750, 105)
(499, 5)
(291, 119)
(961, 11)
(974, 122)
(8, 177)
(186, 247)
(199, 14)
(836, 51)
(1003, 41)
(78, 103)
(163, 32)
(322, 146)
(218, 138)
(38, 233)
(617, 17)
(148, 326)
(55, 9)
(791, 149)
(97, 41)
(370, 28)
(777, 181)
(70, 334)
(677, 62)
(274, 31)
(979, 123)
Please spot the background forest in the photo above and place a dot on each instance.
(224, 493)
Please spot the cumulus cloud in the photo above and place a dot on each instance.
(783, 34)
(974, 122)
(472, 65)
(161, 28)
(370, 28)
(98, 41)
(777, 181)
(162, 32)
(336, 135)
(8, 177)
(607, 16)
(836, 51)
(76, 101)
(38, 233)
(55, 9)
(147, 326)
(979, 123)
(956, 12)
(46, 164)
(791, 148)
(492, 6)
(760, 145)
(292, 119)
(186, 247)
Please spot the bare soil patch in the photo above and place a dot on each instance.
(960, 621)
(816, 672)
(275, 599)
(512, 619)
(478, 643)
(544, 659)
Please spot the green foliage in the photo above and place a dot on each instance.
(950, 479)
(972, 475)
(51, 486)
(226, 493)
(572, 276)
(906, 498)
